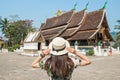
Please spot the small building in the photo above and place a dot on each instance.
(87, 28)
(32, 42)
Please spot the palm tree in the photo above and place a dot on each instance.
(117, 27)
(3, 24)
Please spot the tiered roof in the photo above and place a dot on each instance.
(90, 26)
(34, 37)
(55, 25)
(76, 25)
(73, 26)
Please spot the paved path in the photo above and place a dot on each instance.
(17, 67)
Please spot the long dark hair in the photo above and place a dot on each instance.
(59, 66)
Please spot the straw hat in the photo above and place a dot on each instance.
(58, 46)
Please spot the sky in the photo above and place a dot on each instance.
(40, 10)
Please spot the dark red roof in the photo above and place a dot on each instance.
(55, 25)
(68, 32)
(75, 25)
(82, 35)
(48, 37)
(42, 26)
(76, 20)
(92, 20)
(52, 31)
(58, 21)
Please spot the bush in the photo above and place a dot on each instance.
(90, 52)
(11, 49)
(16, 46)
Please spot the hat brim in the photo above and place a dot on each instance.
(62, 52)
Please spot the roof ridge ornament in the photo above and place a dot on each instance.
(86, 6)
(58, 13)
(74, 8)
(104, 6)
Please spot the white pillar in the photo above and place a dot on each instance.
(95, 51)
(76, 45)
(118, 49)
(99, 51)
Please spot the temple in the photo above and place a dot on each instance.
(85, 28)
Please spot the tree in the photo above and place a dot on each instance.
(117, 27)
(4, 24)
(14, 18)
(16, 31)
(22, 28)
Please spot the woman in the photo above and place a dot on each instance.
(61, 63)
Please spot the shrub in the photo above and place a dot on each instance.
(90, 52)
(16, 46)
(11, 49)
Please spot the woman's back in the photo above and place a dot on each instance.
(60, 67)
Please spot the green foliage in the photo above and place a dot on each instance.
(15, 31)
(3, 24)
(115, 45)
(118, 37)
(11, 49)
(90, 52)
(105, 50)
(117, 26)
(16, 46)
(117, 41)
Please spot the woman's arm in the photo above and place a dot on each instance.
(84, 59)
(35, 63)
